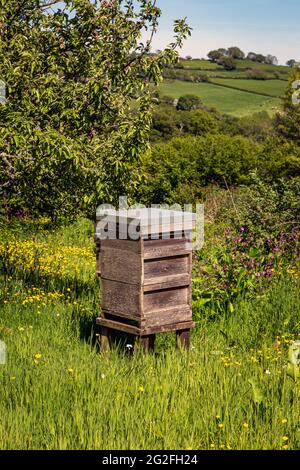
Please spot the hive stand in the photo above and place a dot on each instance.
(145, 282)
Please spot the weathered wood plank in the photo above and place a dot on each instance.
(121, 299)
(166, 282)
(104, 339)
(115, 325)
(167, 317)
(168, 328)
(130, 246)
(183, 339)
(167, 298)
(121, 265)
(166, 248)
(166, 266)
(148, 343)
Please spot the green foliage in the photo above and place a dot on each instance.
(228, 63)
(188, 103)
(268, 210)
(291, 63)
(215, 55)
(236, 53)
(288, 122)
(169, 123)
(194, 162)
(78, 109)
(256, 74)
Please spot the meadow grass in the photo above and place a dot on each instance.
(231, 391)
(229, 101)
(275, 88)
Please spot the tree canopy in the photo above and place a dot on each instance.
(79, 83)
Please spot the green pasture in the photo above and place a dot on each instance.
(275, 88)
(232, 390)
(225, 100)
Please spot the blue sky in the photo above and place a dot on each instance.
(266, 26)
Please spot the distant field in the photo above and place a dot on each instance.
(200, 64)
(271, 87)
(241, 65)
(225, 100)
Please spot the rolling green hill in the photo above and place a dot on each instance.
(226, 100)
(231, 92)
(197, 64)
(274, 88)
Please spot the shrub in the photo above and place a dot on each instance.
(189, 102)
(256, 74)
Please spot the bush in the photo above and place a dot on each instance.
(228, 63)
(196, 162)
(188, 103)
(256, 74)
(198, 122)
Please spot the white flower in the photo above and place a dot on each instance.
(268, 372)
(102, 376)
(129, 346)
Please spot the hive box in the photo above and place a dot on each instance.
(144, 260)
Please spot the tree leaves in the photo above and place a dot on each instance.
(80, 88)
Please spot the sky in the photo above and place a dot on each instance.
(264, 26)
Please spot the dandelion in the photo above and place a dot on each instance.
(285, 447)
(13, 378)
(141, 389)
(285, 438)
(21, 328)
(38, 356)
(284, 421)
(221, 425)
(70, 370)
(218, 417)
(222, 446)
(245, 425)
(212, 446)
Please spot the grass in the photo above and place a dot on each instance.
(229, 101)
(275, 88)
(57, 392)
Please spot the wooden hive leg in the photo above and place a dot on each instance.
(148, 343)
(105, 337)
(183, 339)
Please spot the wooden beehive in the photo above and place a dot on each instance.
(145, 281)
